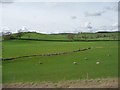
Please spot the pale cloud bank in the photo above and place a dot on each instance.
(58, 17)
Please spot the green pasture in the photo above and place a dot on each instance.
(0, 62)
(15, 48)
(79, 36)
(44, 36)
(60, 67)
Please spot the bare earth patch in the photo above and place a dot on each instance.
(91, 83)
(0, 86)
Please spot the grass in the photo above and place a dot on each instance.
(14, 48)
(79, 36)
(44, 36)
(0, 63)
(57, 68)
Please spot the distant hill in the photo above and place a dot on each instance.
(67, 36)
(0, 33)
(107, 31)
(34, 35)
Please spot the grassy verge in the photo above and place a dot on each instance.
(58, 68)
(86, 83)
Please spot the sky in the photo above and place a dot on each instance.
(58, 17)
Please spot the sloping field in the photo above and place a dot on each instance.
(60, 67)
(14, 48)
(44, 36)
(65, 36)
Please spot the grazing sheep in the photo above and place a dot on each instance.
(74, 62)
(97, 62)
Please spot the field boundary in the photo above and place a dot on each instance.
(50, 54)
(64, 40)
(86, 83)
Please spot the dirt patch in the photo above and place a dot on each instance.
(91, 83)
(0, 86)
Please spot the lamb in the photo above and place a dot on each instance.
(97, 62)
(75, 63)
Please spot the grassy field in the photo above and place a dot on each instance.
(0, 63)
(64, 36)
(61, 67)
(44, 36)
(14, 48)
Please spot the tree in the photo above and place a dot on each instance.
(98, 36)
(20, 33)
(71, 36)
(78, 35)
(85, 37)
(7, 35)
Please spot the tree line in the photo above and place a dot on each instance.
(69, 36)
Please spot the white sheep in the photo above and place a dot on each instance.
(97, 62)
(74, 62)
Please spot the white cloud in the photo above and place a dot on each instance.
(96, 13)
(49, 17)
(102, 11)
(115, 25)
(114, 8)
(74, 17)
(67, 0)
(7, 1)
(88, 25)
(92, 14)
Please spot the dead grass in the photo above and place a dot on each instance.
(0, 86)
(91, 83)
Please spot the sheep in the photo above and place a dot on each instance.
(97, 62)
(75, 63)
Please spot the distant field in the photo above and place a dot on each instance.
(0, 63)
(44, 36)
(14, 48)
(79, 36)
(61, 67)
